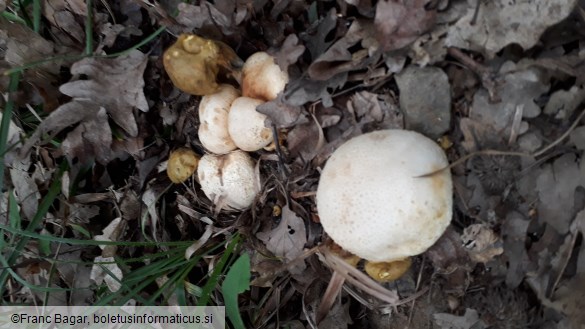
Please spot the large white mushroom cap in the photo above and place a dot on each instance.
(229, 179)
(372, 202)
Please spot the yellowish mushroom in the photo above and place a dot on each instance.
(182, 165)
(193, 63)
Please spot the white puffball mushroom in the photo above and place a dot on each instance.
(213, 115)
(246, 125)
(229, 179)
(372, 201)
(262, 78)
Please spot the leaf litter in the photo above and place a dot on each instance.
(504, 76)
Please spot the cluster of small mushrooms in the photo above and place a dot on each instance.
(375, 199)
(229, 124)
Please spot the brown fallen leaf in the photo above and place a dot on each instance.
(481, 243)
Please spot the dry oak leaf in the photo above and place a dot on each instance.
(116, 84)
(115, 88)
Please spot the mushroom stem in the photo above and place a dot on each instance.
(387, 271)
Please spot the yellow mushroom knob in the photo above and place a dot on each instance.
(182, 164)
(387, 271)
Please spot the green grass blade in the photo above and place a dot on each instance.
(236, 282)
(217, 270)
(89, 28)
(91, 242)
(5, 124)
(37, 14)
(54, 191)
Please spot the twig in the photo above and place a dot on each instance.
(486, 75)
(470, 155)
(507, 153)
(563, 136)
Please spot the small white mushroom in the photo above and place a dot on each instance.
(229, 179)
(372, 201)
(262, 78)
(213, 115)
(246, 125)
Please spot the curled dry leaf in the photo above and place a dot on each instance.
(481, 243)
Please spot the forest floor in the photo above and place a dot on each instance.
(90, 217)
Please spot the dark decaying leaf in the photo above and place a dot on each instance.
(400, 22)
(316, 42)
(302, 91)
(339, 59)
(24, 46)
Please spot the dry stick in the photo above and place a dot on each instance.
(564, 266)
(418, 282)
(563, 136)
(330, 296)
(485, 73)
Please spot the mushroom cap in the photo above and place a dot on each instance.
(262, 78)
(213, 115)
(192, 64)
(246, 125)
(181, 165)
(229, 179)
(373, 203)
